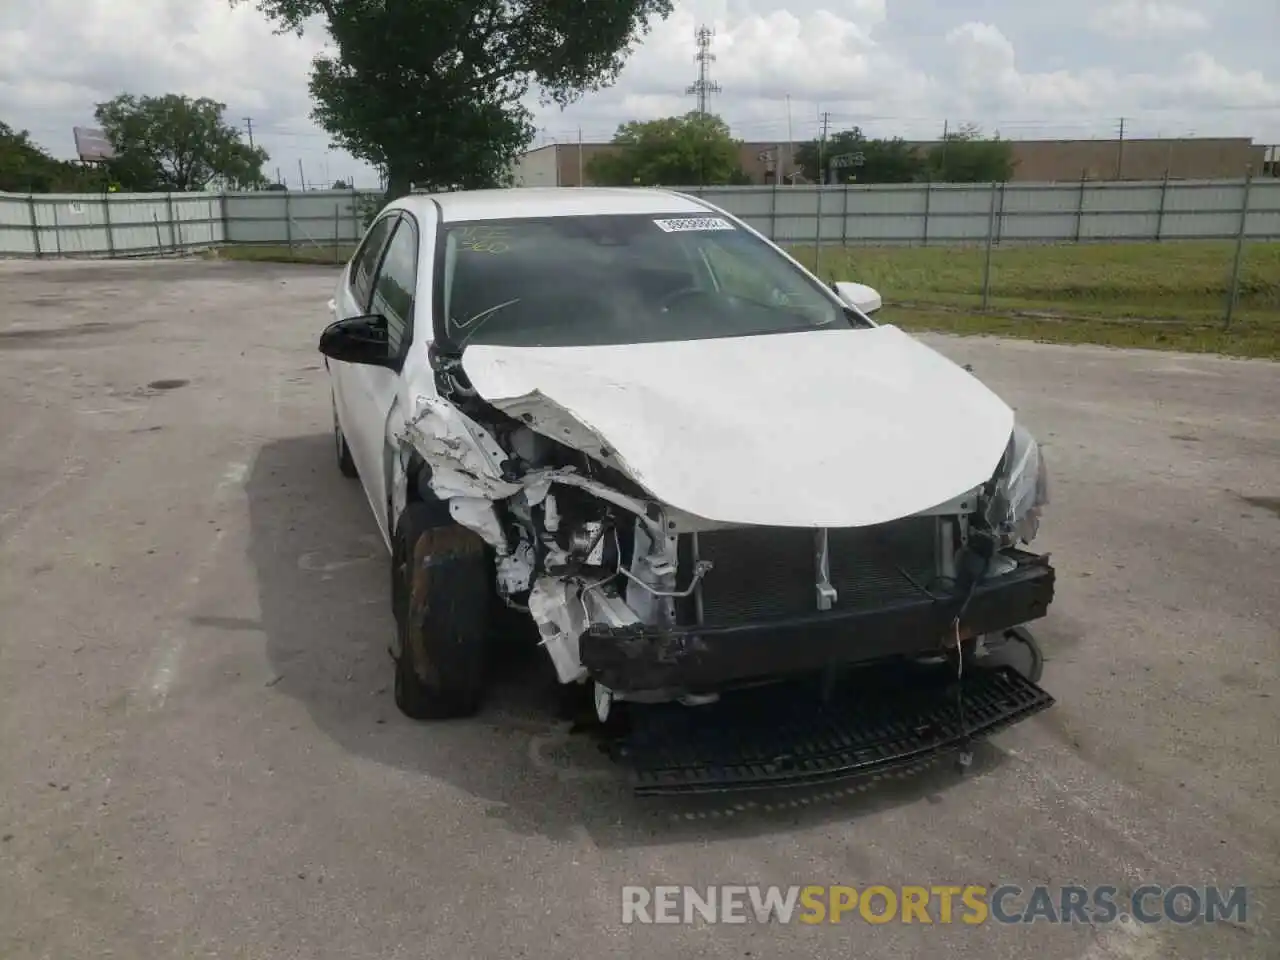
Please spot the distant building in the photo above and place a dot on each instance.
(566, 164)
(1184, 158)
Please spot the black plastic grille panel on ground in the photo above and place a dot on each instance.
(786, 735)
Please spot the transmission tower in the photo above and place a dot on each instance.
(703, 86)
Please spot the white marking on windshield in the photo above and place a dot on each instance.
(688, 224)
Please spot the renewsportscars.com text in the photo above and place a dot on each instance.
(942, 904)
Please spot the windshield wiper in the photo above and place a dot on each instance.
(804, 312)
(473, 324)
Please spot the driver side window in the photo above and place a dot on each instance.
(395, 286)
(365, 263)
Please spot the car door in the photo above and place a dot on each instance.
(393, 294)
(351, 299)
(380, 283)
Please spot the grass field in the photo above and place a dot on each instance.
(1163, 295)
(301, 253)
(1169, 296)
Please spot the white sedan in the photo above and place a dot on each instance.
(628, 415)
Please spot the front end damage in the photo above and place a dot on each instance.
(648, 603)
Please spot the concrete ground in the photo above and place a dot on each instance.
(199, 753)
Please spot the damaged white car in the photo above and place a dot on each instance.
(630, 416)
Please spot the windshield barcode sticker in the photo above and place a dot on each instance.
(684, 224)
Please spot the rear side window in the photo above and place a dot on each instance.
(365, 263)
(397, 280)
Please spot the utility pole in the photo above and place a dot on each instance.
(248, 124)
(1120, 153)
(302, 176)
(789, 148)
(946, 130)
(825, 118)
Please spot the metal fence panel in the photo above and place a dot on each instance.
(318, 218)
(71, 225)
(107, 225)
(16, 233)
(142, 223)
(915, 213)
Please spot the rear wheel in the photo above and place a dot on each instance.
(441, 587)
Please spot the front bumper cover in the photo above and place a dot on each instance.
(702, 658)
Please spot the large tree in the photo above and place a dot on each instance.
(27, 168)
(433, 92)
(861, 160)
(175, 142)
(674, 151)
(968, 157)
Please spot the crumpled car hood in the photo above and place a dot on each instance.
(828, 428)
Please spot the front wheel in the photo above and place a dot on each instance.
(441, 594)
(346, 465)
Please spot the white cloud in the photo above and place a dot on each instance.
(894, 68)
(987, 76)
(1139, 18)
(989, 82)
(820, 59)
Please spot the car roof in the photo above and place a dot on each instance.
(463, 205)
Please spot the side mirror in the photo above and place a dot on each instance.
(858, 295)
(358, 340)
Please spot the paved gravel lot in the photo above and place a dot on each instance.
(199, 754)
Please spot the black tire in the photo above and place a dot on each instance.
(441, 586)
(346, 465)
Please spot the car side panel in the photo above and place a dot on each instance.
(358, 387)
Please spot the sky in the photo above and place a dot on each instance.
(1021, 68)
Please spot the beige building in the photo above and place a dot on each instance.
(566, 164)
(1187, 158)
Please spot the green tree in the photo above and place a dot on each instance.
(26, 168)
(882, 161)
(969, 157)
(432, 92)
(675, 151)
(175, 142)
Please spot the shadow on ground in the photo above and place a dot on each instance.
(323, 583)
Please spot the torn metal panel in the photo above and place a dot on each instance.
(465, 459)
(1022, 490)
(399, 488)
(557, 609)
(479, 515)
(552, 420)
(606, 493)
(651, 587)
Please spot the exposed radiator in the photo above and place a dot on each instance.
(761, 573)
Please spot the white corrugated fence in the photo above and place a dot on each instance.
(918, 214)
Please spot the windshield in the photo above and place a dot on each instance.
(594, 280)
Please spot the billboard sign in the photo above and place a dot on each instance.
(92, 145)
